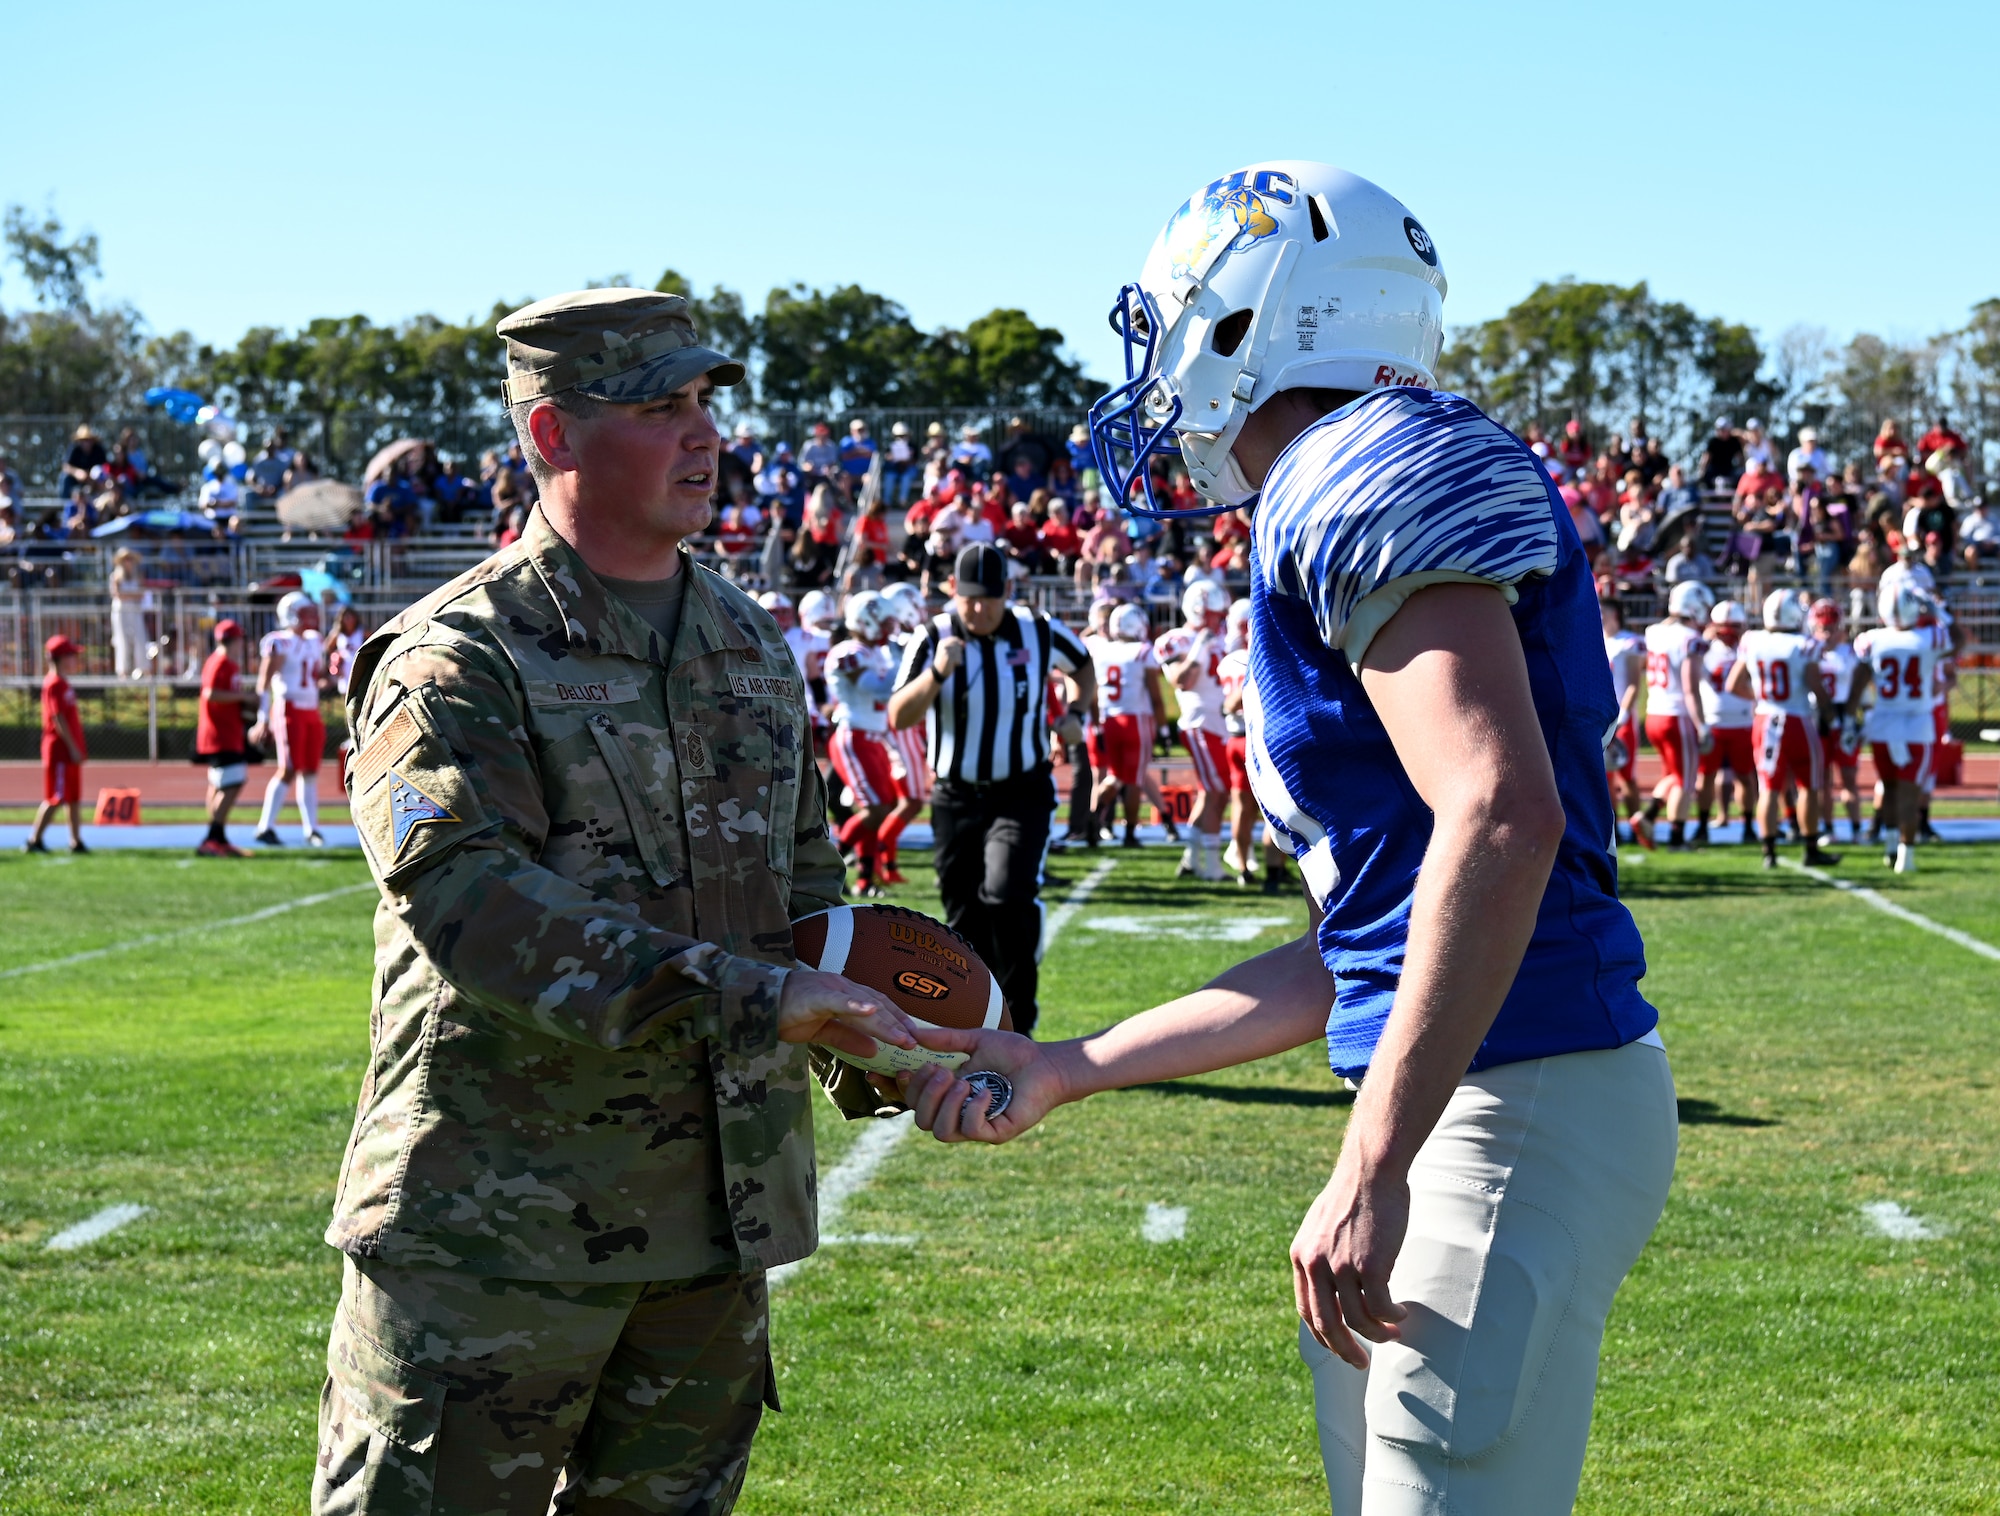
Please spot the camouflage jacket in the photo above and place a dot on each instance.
(591, 850)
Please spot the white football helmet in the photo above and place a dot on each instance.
(818, 611)
(868, 616)
(1905, 606)
(1729, 613)
(771, 600)
(1784, 611)
(1283, 275)
(292, 608)
(1238, 623)
(1202, 599)
(906, 603)
(1128, 624)
(1692, 599)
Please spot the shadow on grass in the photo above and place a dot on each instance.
(1251, 1094)
(1708, 1113)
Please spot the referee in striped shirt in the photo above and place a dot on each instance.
(980, 671)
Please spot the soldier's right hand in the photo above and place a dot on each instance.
(838, 1013)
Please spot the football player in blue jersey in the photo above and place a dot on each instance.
(1427, 707)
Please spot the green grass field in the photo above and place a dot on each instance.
(1028, 1351)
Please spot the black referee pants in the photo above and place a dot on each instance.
(989, 844)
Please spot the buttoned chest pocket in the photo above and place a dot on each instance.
(610, 791)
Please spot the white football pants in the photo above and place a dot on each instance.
(1528, 1204)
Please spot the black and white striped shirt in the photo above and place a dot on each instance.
(990, 721)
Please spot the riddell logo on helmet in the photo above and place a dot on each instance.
(1387, 374)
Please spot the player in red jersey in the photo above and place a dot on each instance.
(1673, 704)
(1234, 676)
(1900, 661)
(1779, 667)
(1131, 703)
(291, 677)
(1192, 657)
(1729, 718)
(218, 735)
(909, 756)
(1625, 651)
(63, 750)
(861, 672)
(1839, 730)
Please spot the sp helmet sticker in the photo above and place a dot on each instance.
(1420, 241)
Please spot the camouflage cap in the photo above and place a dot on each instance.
(621, 345)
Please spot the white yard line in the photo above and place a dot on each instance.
(1164, 1223)
(853, 1171)
(1889, 907)
(851, 1175)
(103, 1224)
(1897, 1224)
(154, 938)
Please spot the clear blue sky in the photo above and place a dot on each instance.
(1833, 164)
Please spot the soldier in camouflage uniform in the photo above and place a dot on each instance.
(584, 1132)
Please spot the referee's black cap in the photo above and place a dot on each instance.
(980, 570)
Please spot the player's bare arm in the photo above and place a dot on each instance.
(266, 666)
(1156, 691)
(1449, 682)
(1691, 691)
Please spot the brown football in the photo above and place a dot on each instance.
(928, 970)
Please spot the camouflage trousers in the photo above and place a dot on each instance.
(458, 1394)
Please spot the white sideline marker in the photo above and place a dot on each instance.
(873, 1146)
(1897, 1224)
(103, 1224)
(1164, 1223)
(1889, 907)
(154, 938)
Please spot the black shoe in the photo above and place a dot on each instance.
(1928, 834)
(34, 845)
(78, 847)
(1184, 871)
(314, 839)
(1770, 860)
(1131, 840)
(1815, 859)
(1274, 884)
(269, 839)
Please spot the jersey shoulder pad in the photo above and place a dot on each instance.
(1403, 482)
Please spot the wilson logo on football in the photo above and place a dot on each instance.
(921, 984)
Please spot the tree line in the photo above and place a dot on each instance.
(1599, 353)
(1608, 354)
(809, 349)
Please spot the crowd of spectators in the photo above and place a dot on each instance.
(821, 517)
(1794, 515)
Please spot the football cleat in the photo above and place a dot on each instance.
(270, 838)
(314, 839)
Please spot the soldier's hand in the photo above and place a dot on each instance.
(838, 1013)
(949, 651)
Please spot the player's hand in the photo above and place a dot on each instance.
(946, 1105)
(1343, 1253)
(1704, 739)
(258, 733)
(840, 1014)
(949, 651)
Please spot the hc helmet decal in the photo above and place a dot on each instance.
(1233, 208)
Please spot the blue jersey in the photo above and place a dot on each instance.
(1418, 486)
